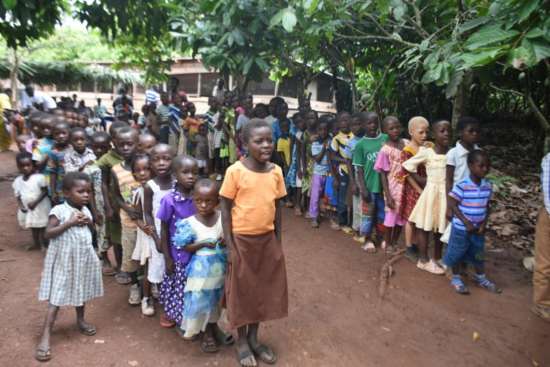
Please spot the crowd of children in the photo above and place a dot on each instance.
(148, 199)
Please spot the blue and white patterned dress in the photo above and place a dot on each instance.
(205, 279)
(72, 270)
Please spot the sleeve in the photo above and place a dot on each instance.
(70, 165)
(87, 212)
(41, 181)
(166, 209)
(421, 157)
(230, 183)
(334, 144)
(16, 187)
(57, 211)
(358, 158)
(451, 157)
(546, 181)
(382, 163)
(281, 189)
(457, 192)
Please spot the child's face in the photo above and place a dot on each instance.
(161, 161)
(322, 131)
(343, 123)
(311, 120)
(206, 200)
(81, 122)
(187, 173)
(21, 142)
(46, 127)
(419, 133)
(442, 133)
(203, 130)
(300, 123)
(260, 144)
(142, 170)
(78, 141)
(470, 134)
(79, 193)
(480, 167)
(285, 127)
(61, 135)
(146, 143)
(356, 126)
(36, 130)
(393, 129)
(371, 127)
(126, 144)
(100, 147)
(25, 166)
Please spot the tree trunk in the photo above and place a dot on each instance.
(461, 99)
(14, 71)
(542, 121)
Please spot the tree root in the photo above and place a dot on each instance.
(386, 272)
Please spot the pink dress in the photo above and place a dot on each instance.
(389, 161)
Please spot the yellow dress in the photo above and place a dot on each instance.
(5, 140)
(429, 211)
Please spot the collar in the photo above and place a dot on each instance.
(463, 151)
(177, 196)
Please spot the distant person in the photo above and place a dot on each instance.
(36, 99)
(218, 91)
(75, 101)
(152, 96)
(164, 114)
(100, 112)
(123, 106)
(5, 140)
(541, 274)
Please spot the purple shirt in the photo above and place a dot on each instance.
(173, 207)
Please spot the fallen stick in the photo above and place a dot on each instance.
(7, 260)
(386, 271)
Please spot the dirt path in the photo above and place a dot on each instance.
(335, 315)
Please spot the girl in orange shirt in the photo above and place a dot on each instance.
(255, 285)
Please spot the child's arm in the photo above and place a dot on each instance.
(194, 247)
(34, 203)
(386, 187)
(227, 225)
(129, 209)
(453, 203)
(53, 180)
(412, 181)
(278, 219)
(148, 214)
(299, 163)
(105, 175)
(449, 182)
(164, 247)
(319, 157)
(20, 204)
(362, 188)
(55, 228)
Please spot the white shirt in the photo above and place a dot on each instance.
(458, 158)
(39, 97)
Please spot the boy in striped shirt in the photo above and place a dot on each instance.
(469, 203)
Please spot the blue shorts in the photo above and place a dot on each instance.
(464, 246)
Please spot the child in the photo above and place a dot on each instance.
(202, 236)
(45, 143)
(296, 170)
(388, 164)
(370, 187)
(457, 167)
(319, 153)
(429, 213)
(56, 160)
(177, 204)
(200, 143)
(153, 191)
(283, 145)
(339, 153)
(22, 141)
(100, 145)
(255, 286)
(141, 169)
(412, 187)
(124, 186)
(146, 143)
(469, 202)
(356, 127)
(31, 191)
(307, 162)
(72, 271)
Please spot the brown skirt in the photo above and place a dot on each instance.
(255, 283)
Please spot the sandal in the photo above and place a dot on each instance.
(265, 354)
(108, 271)
(369, 247)
(87, 330)
(165, 323)
(222, 337)
(42, 355)
(459, 286)
(208, 344)
(123, 278)
(243, 355)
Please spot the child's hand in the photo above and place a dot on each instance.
(149, 230)
(55, 199)
(299, 174)
(78, 219)
(365, 195)
(32, 205)
(482, 228)
(390, 202)
(169, 264)
(470, 227)
(449, 214)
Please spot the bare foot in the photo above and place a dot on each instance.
(244, 354)
(42, 352)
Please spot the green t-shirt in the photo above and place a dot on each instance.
(364, 156)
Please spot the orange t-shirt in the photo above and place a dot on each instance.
(253, 195)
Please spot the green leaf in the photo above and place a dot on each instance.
(247, 65)
(9, 4)
(262, 64)
(432, 74)
(481, 58)
(238, 37)
(311, 5)
(542, 50)
(454, 83)
(471, 24)
(289, 19)
(523, 56)
(488, 35)
(277, 18)
(535, 33)
(527, 9)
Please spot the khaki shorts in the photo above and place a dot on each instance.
(128, 239)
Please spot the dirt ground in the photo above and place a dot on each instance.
(336, 317)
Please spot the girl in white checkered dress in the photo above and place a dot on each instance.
(72, 270)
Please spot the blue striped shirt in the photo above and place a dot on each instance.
(473, 201)
(545, 181)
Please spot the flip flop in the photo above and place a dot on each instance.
(222, 337)
(123, 278)
(369, 248)
(88, 331)
(242, 355)
(42, 355)
(209, 345)
(264, 354)
(165, 323)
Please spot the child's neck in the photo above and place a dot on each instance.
(164, 179)
(207, 219)
(61, 146)
(475, 179)
(440, 149)
(71, 203)
(467, 146)
(127, 164)
(256, 165)
(394, 143)
(185, 192)
(26, 176)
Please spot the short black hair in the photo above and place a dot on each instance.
(126, 130)
(115, 126)
(159, 146)
(178, 161)
(371, 116)
(75, 130)
(388, 119)
(254, 123)
(465, 121)
(62, 124)
(100, 136)
(476, 154)
(440, 121)
(137, 158)
(70, 178)
(207, 183)
(22, 156)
